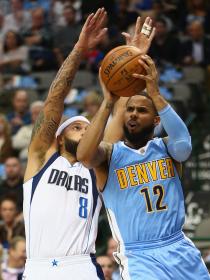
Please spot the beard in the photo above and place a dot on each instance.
(71, 146)
(141, 137)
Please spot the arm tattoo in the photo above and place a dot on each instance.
(65, 75)
(37, 124)
(49, 128)
(48, 120)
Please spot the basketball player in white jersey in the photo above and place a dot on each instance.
(61, 202)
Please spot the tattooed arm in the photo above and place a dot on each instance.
(48, 121)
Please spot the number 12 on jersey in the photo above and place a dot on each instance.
(157, 190)
(83, 211)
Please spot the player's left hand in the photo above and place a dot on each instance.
(108, 96)
(151, 76)
(93, 30)
(142, 37)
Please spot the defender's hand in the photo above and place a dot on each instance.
(142, 37)
(93, 30)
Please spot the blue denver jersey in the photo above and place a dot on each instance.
(143, 195)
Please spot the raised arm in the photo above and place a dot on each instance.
(142, 41)
(114, 129)
(48, 121)
(179, 140)
(91, 151)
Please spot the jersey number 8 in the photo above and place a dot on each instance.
(83, 211)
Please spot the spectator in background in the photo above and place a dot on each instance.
(107, 266)
(10, 226)
(66, 37)
(6, 149)
(165, 48)
(196, 50)
(198, 10)
(92, 103)
(158, 10)
(13, 183)
(39, 40)
(22, 138)
(111, 248)
(20, 115)
(124, 18)
(57, 11)
(13, 54)
(18, 19)
(13, 268)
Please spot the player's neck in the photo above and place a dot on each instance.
(137, 145)
(71, 158)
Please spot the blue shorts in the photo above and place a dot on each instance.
(171, 258)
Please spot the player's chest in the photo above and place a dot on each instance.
(68, 178)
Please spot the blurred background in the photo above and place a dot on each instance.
(35, 38)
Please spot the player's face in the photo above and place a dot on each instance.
(72, 135)
(75, 130)
(140, 118)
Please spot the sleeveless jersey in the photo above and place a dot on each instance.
(143, 194)
(61, 208)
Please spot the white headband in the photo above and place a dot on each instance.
(68, 122)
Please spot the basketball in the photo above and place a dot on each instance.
(117, 69)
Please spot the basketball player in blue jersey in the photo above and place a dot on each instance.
(61, 202)
(140, 185)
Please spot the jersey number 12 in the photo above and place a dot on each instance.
(157, 190)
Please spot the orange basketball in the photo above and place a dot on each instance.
(117, 68)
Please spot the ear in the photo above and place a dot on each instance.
(156, 120)
(60, 140)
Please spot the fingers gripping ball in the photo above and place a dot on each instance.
(117, 69)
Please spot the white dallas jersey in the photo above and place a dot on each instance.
(61, 208)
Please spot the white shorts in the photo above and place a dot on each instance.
(78, 267)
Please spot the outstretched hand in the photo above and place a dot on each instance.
(93, 30)
(140, 39)
(151, 76)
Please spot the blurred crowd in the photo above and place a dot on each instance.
(38, 35)
(35, 38)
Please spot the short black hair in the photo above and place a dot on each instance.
(143, 93)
